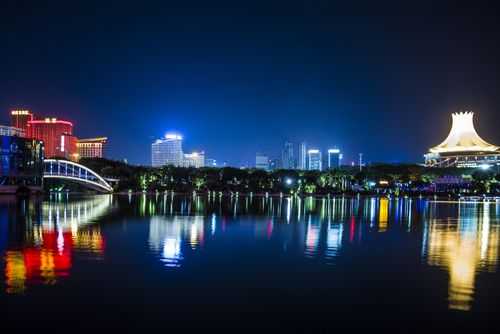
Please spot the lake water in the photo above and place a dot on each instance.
(264, 264)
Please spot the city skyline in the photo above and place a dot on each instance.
(369, 79)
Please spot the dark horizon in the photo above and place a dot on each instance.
(234, 80)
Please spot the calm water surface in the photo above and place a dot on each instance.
(272, 264)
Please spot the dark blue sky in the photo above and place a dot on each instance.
(239, 77)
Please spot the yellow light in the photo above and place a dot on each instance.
(20, 112)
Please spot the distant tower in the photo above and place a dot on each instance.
(167, 151)
(262, 161)
(333, 158)
(302, 163)
(288, 157)
(314, 157)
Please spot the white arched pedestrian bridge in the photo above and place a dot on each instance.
(72, 171)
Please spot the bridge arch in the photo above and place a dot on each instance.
(72, 171)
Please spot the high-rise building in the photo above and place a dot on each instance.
(194, 159)
(274, 164)
(333, 160)
(91, 147)
(262, 161)
(57, 137)
(288, 156)
(167, 151)
(20, 119)
(302, 163)
(314, 158)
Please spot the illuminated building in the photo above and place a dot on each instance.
(302, 163)
(57, 137)
(91, 147)
(167, 151)
(288, 157)
(20, 119)
(21, 162)
(11, 131)
(262, 161)
(314, 158)
(333, 158)
(463, 147)
(195, 159)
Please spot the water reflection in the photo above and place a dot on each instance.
(167, 235)
(39, 240)
(42, 237)
(464, 246)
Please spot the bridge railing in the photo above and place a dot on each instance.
(64, 169)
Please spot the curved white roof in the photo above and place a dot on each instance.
(463, 137)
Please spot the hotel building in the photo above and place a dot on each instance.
(91, 147)
(194, 159)
(167, 151)
(57, 137)
(20, 119)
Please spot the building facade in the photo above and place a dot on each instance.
(20, 119)
(302, 161)
(288, 156)
(262, 161)
(91, 147)
(57, 137)
(333, 158)
(194, 159)
(21, 163)
(314, 158)
(167, 151)
(463, 147)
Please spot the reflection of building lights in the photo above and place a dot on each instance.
(334, 240)
(312, 239)
(49, 256)
(462, 249)
(383, 214)
(484, 166)
(171, 252)
(15, 272)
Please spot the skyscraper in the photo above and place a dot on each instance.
(333, 158)
(288, 157)
(302, 163)
(262, 161)
(167, 151)
(314, 157)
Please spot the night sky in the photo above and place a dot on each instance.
(238, 77)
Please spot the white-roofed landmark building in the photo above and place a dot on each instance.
(463, 147)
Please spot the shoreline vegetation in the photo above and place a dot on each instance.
(392, 180)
